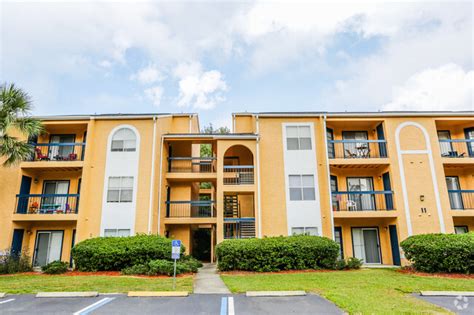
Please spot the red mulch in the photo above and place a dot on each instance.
(96, 273)
(411, 271)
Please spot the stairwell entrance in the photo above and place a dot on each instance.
(201, 244)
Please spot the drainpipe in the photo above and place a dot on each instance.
(159, 186)
(329, 176)
(233, 123)
(259, 210)
(152, 179)
(190, 123)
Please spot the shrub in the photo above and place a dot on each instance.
(55, 267)
(441, 252)
(354, 263)
(277, 253)
(192, 263)
(135, 270)
(13, 263)
(117, 253)
(164, 267)
(340, 264)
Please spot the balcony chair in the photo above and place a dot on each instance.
(40, 156)
(351, 205)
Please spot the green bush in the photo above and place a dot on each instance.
(164, 267)
(56, 267)
(354, 263)
(441, 252)
(117, 253)
(277, 253)
(13, 263)
(135, 270)
(340, 264)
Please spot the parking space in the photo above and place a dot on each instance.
(193, 304)
(457, 304)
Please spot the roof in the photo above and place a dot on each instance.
(113, 116)
(358, 114)
(212, 136)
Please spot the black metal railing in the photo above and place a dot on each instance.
(239, 228)
(456, 148)
(362, 200)
(191, 165)
(58, 152)
(190, 209)
(47, 203)
(461, 199)
(357, 149)
(238, 174)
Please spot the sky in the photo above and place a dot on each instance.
(216, 58)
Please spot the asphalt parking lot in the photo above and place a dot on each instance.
(459, 305)
(193, 304)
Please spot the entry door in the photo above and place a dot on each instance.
(24, 190)
(455, 197)
(469, 133)
(55, 188)
(330, 137)
(366, 245)
(48, 247)
(361, 201)
(63, 151)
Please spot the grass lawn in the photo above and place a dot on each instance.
(17, 284)
(365, 291)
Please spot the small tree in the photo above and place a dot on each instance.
(15, 107)
(210, 129)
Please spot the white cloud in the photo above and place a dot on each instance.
(148, 75)
(154, 94)
(199, 89)
(448, 87)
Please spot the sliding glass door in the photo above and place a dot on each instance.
(455, 196)
(364, 201)
(366, 245)
(48, 247)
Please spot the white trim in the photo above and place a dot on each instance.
(190, 123)
(159, 186)
(152, 178)
(429, 152)
(259, 210)
(329, 177)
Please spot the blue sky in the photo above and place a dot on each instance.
(216, 58)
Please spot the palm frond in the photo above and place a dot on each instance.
(14, 150)
(29, 126)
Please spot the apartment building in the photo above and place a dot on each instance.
(367, 180)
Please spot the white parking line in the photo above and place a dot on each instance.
(230, 310)
(96, 305)
(6, 301)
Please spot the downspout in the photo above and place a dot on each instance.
(159, 189)
(233, 123)
(259, 210)
(190, 123)
(329, 176)
(152, 179)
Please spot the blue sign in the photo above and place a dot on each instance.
(175, 249)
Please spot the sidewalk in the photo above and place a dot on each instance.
(208, 281)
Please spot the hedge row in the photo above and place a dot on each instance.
(277, 253)
(164, 267)
(117, 253)
(441, 252)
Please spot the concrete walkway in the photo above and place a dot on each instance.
(208, 281)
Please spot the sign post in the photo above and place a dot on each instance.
(175, 252)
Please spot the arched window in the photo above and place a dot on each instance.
(124, 140)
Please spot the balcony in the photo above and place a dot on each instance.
(461, 199)
(238, 174)
(456, 148)
(191, 209)
(191, 165)
(363, 203)
(239, 228)
(58, 152)
(357, 149)
(47, 204)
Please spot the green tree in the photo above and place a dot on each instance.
(210, 129)
(15, 107)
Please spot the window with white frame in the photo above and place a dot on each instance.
(120, 189)
(302, 187)
(124, 140)
(116, 232)
(305, 230)
(298, 138)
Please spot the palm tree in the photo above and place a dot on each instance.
(15, 107)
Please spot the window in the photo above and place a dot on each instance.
(302, 187)
(116, 232)
(309, 230)
(124, 140)
(460, 229)
(120, 189)
(298, 138)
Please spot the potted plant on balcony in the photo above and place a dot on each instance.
(34, 207)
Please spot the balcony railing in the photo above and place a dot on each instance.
(191, 165)
(357, 149)
(58, 152)
(362, 200)
(238, 174)
(191, 209)
(47, 204)
(239, 228)
(461, 199)
(456, 148)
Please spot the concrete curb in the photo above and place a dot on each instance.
(447, 293)
(2, 295)
(66, 294)
(274, 293)
(158, 294)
